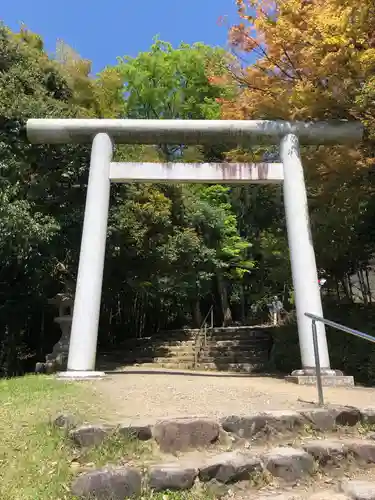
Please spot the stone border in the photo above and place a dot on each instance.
(283, 462)
(184, 433)
(181, 434)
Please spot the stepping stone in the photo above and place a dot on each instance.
(363, 449)
(90, 435)
(288, 463)
(326, 450)
(368, 416)
(358, 490)
(172, 477)
(140, 431)
(108, 484)
(265, 422)
(185, 433)
(65, 421)
(347, 416)
(321, 419)
(230, 467)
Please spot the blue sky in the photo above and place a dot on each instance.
(102, 30)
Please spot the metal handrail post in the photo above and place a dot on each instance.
(318, 372)
(196, 348)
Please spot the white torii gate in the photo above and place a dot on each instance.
(103, 132)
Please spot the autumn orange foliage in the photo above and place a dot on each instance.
(315, 59)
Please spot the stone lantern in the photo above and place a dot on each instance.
(57, 359)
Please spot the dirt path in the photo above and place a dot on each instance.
(152, 393)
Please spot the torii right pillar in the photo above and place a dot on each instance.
(304, 271)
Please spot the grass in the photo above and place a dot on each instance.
(37, 461)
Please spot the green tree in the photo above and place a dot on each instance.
(35, 187)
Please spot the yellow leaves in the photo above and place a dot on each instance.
(314, 61)
(335, 41)
(312, 55)
(367, 60)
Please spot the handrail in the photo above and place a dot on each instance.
(332, 324)
(343, 328)
(210, 311)
(198, 337)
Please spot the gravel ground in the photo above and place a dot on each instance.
(153, 393)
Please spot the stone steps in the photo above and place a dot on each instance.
(212, 357)
(189, 351)
(228, 367)
(310, 454)
(233, 348)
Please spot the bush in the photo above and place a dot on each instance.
(353, 355)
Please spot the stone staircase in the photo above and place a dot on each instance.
(240, 349)
(309, 454)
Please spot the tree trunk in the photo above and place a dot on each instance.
(368, 285)
(197, 314)
(243, 305)
(337, 289)
(227, 313)
(350, 287)
(344, 282)
(362, 286)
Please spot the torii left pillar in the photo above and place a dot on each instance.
(84, 333)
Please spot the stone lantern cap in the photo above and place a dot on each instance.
(64, 302)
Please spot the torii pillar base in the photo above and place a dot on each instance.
(75, 376)
(330, 378)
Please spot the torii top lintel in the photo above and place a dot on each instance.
(236, 132)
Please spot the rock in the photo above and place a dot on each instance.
(108, 484)
(368, 416)
(182, 434)
(358, 490)
(362, 449)
(142, 432)
(326, 450)
(89, 435)
(230, 467)
(346, 416)
(371, 436)
(265, 422)
(65, 421)
(50, 367)
(321, 419)
(288, 463)
(172, 477)
(40, 368)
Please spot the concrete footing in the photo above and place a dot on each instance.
(327, 380)
(73, 375)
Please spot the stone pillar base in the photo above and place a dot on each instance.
(307, 376)
(72, 375)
